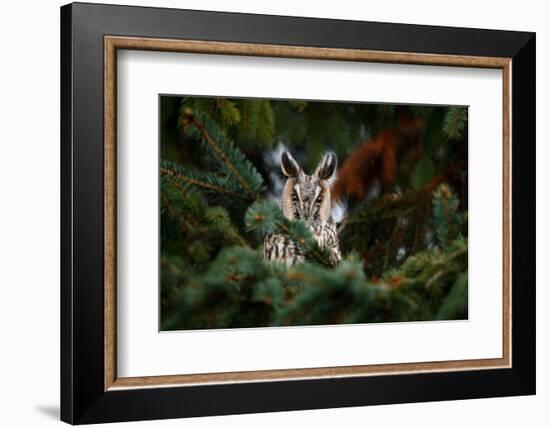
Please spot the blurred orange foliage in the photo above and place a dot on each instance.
(377, 159)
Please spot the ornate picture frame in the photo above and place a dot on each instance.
(91, 390)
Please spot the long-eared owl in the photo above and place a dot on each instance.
(305, 197)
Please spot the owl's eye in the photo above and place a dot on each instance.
(319, 199)
(294, 197)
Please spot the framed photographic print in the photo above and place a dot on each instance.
(266, 213)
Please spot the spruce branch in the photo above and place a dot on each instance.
(446, 219)
(217, 219)
(185, 224)
(230, 157)
(193, 214)
(204, 182)
(229, 113)
(405, 258)
(455, 122)
(193, 181)
(264, 217)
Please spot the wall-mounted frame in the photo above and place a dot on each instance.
(92, 388)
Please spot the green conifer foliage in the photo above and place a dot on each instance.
(403, 237)
(265, 217)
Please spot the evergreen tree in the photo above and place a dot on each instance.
(403, 182)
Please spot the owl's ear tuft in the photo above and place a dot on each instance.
(289, 166)
(327, 166)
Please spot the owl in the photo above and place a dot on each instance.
(305, 197)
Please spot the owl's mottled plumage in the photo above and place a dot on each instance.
(305, 197)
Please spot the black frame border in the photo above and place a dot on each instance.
(83, 399)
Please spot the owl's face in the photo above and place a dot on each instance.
(307, 197)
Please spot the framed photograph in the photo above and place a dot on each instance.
(265, 213)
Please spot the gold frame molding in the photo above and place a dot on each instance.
(113, 43)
